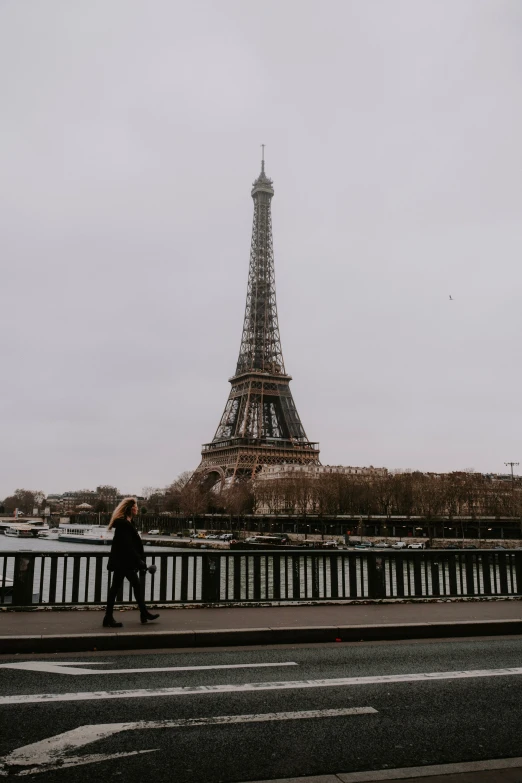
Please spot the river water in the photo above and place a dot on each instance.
(12, 545)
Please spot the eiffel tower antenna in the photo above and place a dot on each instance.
(260, 424)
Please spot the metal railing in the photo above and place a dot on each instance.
(35, 579)
(267, 443)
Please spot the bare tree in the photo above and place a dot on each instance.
(24, 500)
(383, 492)
(181, 481)
(193, 499)
(402, 491)
(327, 493)
(156, 502)
(238, 499)
(270, 495)
(175, 490)
(148, 491)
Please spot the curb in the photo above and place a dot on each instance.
(255, 636)
(436, 772)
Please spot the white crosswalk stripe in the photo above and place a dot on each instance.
(76, 667)
(207, 690)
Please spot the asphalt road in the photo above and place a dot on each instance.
(201, 733)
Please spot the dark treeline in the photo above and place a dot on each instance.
(426, 495)
(403, 494)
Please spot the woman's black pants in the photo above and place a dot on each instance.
(117, 581)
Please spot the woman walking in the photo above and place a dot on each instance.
(125, 560)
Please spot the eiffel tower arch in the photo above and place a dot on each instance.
(260, 424)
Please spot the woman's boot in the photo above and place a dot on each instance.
(110, 622)
(146, 615)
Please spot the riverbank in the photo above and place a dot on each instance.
(157, 544)
(376, 541)
(11, 545)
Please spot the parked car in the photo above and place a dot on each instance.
(226, 537)
(415, 545)
(363, 545)
(213, 535)
(383, 545)
(399, 545)
(153, 533)
(330, 545)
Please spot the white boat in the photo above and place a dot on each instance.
(83, 534)
(34, 525)
(48, 534)
(19, 531)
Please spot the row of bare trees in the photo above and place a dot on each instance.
(192, 499)
(24, 499)
(408, 494)
(332, 494)
(182, 496)
(327, 494)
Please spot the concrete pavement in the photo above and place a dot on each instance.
(270, 714)
(81, 630)
(493, 771)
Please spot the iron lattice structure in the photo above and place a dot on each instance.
(260, 424)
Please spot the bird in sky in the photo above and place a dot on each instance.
(451, 298)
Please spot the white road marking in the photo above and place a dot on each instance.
(206, 690)
(72, 667)
(51, 753)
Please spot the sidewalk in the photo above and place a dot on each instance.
(493, 771)
(81, 630)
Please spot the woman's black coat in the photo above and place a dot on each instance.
(127, 552)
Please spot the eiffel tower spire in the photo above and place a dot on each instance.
(260, 343)
(260, 424)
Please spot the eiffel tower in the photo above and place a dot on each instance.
(260, 424)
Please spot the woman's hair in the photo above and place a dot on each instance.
(122, 510)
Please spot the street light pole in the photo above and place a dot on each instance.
(512, 465)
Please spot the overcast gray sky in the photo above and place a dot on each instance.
(129, 140)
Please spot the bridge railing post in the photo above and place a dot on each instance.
(376, 576)
(210, 578)
(23, 578)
